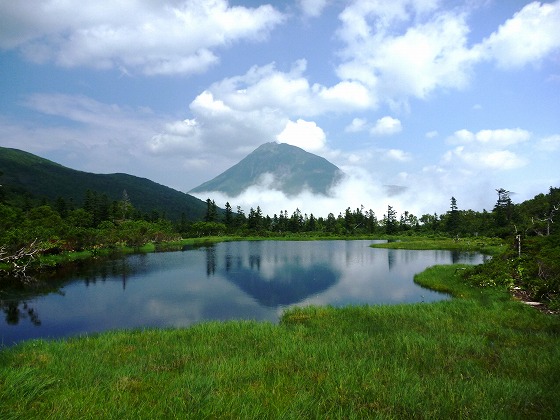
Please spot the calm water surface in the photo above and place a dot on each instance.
(230, 280)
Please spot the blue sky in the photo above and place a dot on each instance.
(416, 100)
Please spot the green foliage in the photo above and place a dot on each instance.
(199, 229)
(501, 270)
(540, 267)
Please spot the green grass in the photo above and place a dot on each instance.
(489, 246)
(480, 355)
(485, 245)
(98, 251)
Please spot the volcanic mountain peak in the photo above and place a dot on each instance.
(286, 168)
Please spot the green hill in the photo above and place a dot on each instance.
(293, 170)
(27, 173)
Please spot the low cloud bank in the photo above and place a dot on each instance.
(358, 188)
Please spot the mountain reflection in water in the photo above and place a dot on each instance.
(230, 280)
(285, 278)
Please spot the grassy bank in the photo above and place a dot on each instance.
(485, 245)
(489, 246)
(100, 251)
(480, 355)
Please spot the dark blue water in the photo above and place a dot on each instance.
(230, 280)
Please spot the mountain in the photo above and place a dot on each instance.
(292, 168)
(24, 172)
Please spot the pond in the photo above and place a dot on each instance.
(254, 280)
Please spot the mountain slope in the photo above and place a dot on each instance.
(293, 169)
(25, 172)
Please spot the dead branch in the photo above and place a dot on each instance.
(20, 260)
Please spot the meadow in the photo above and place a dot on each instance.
(479, 355)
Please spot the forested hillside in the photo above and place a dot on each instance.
(29, 176)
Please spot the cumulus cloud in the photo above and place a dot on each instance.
(404, 48)
(304, 134)
(289, 92)
(217, 130)
(430, 53)
(487, 149)
(529, 36)
(171, 37)
(177, 136)
(485, 159)
(386, 126)
(265, 104)
(357, 124)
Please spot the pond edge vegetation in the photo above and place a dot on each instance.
(479, 355)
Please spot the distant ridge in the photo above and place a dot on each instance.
(25, 172)
(293, 170)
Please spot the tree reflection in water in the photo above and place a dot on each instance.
(14, 313)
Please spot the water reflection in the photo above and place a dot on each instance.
(15, 311)
(272, 273)
(231, 280)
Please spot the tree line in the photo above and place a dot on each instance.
(63, 225)
(533, 217)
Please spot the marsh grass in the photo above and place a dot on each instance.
(489, 246)
(480, 355)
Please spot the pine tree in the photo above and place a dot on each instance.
(228, 218)
(211, 211)
(453, 221)
(390, 221)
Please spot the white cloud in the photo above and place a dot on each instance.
(486, 150)
(549, 144)
(529, 36)
(357, 124)
(218, 130)
(304, 134)
(398, 155)
(503, 137)
(89, 112)
(289, 92)
(430, 53)
(494, 138)
(242, 112)
(178, 136)
(432, 134)
(403, 48)
(172, 37)
(386, 126)
(312, 8)
(345, 95)
(481, 160)
(427, 191)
